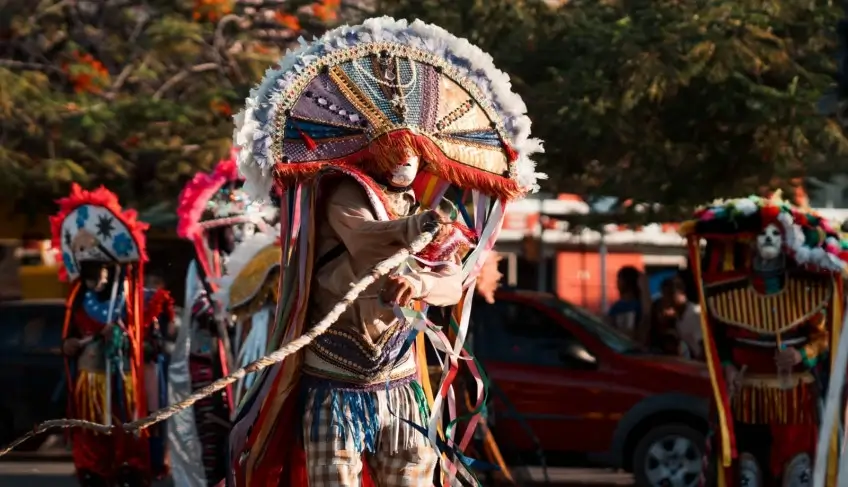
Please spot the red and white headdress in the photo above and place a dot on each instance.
(209, 198)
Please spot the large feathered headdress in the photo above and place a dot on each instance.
(809, 238)
(366, 95)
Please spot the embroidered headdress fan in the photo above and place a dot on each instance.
(365, 94)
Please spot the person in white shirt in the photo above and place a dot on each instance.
(688, 324)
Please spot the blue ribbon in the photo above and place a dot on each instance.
(468, 462)
(465, 216)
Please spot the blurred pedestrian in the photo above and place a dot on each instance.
(688, 321)
(675, 327)
(627, 314)
(663, 322)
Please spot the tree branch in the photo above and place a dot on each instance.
(199, 68)
(32, 66)
(129, 68)
(218, 44)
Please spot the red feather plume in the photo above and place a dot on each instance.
(197, 192)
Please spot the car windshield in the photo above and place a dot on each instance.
(595, 326)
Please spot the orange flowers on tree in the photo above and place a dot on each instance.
(326, 10)
(288, 21)
(86, 74)
(221, 108)
(211, 10)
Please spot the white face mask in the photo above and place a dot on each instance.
(770, 242)
(244, 231)
(405, 172)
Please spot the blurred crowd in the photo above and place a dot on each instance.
(669, 323)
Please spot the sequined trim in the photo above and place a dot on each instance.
(357, 98)
(455, 115)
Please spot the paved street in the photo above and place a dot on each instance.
(40, 474)
(57, 473)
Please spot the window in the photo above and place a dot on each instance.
(610, 336)
(33, 331)
(518, 333)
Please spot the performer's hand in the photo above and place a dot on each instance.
(787, 358)
(397, 290)
(107, 332)
(71, 347)
(444, 232)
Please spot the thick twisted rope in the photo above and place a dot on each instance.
(382, 269)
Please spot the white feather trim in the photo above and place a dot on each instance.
(253, 124)
(803, 255)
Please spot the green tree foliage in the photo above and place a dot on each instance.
(671, 101)
(136, 95)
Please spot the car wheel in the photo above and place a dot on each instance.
(669, 456)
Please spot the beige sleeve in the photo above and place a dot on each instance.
(436, 288)
(368, 240)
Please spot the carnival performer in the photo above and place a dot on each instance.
(158, 316)
(249, 293)
(104, 335)
(214, 215)
(770, 281)
(378, 132)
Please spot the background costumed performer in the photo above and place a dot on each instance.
(771, 289)
(104, 338)
(249, 293)
(214, 215)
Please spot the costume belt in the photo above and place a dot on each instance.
(316, 365)
(763, 399)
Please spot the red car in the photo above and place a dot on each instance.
(585, 390)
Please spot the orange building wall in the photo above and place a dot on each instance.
(579, 276)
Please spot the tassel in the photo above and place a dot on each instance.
(363, 422)
(310, 143)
